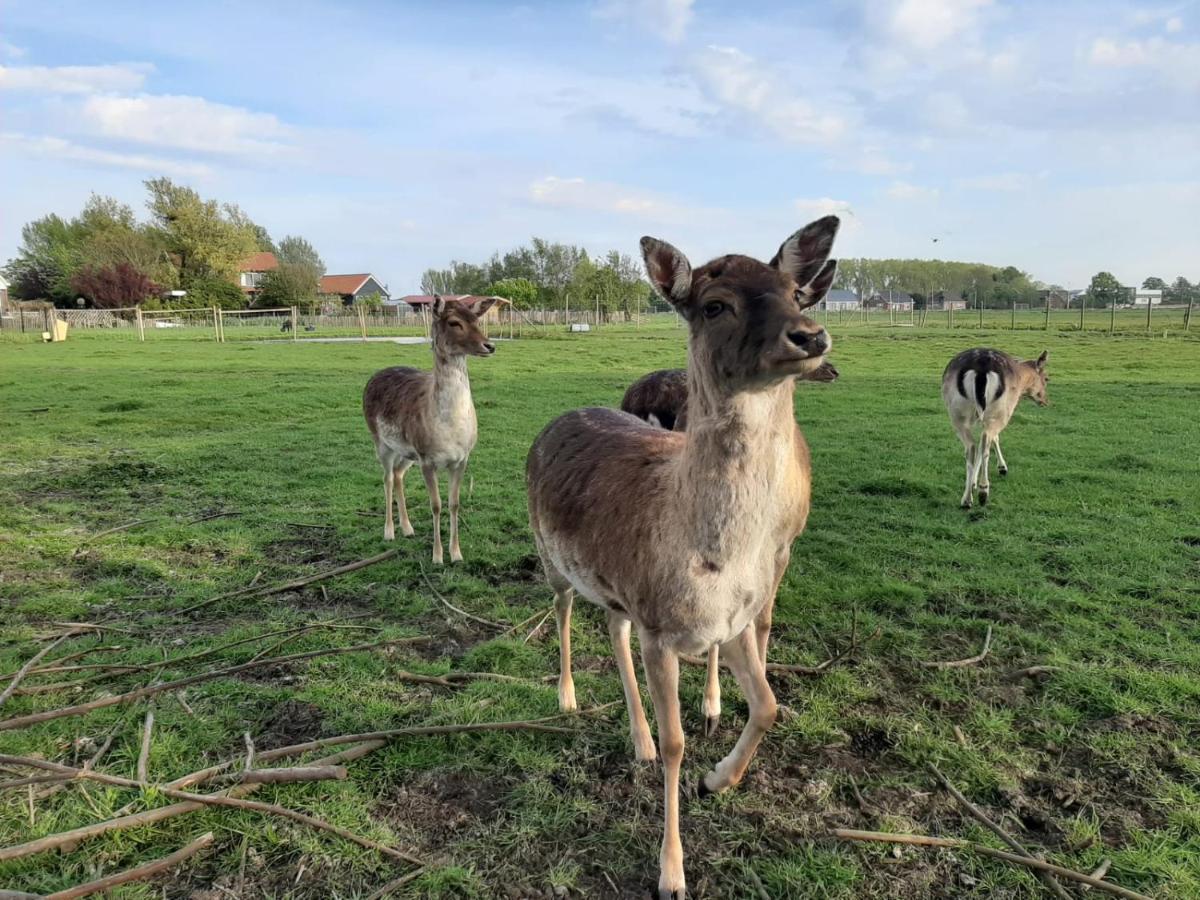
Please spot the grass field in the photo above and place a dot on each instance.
(1087, 560)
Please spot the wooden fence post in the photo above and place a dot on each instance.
(1014, 315)
(1047, 310)
(1112, 317)
(141, 324)
(1082, 308)
(216, 327)
(362, 323)
(1187, 316)
(221, 322)
(295, 322)
(1149, 309)
(980, 305)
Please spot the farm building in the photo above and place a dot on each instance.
(3, 293)
(351, 288)
(840, 299)
(1147, 297)
(891, 300)
(420, 302)
(253, 269)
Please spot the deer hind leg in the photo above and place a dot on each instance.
(398, 474)
(969, 452)
(742, 656)
(662, 677)
(1003, 469)
(639, 728)
(389, 527)
(456, 476)
(435, 506)
(983, 477)
(564, 597)
(711, 706)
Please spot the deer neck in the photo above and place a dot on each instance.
(451, 395)
(737, 471)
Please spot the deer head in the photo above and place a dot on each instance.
(1036, 389)
(746, 317)
(456, 330)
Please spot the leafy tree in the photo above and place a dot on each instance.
(520, 292)
(295, 281)
(211, 290)
(1106, 291)
(1182, 291)
(1154, 284)
(113, 287)
(50, 254)
(206, 238)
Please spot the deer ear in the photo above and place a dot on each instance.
(483, 305)
(669, 270)
(438, 306)
(803, 254)
(814, 292)
(1041, 360)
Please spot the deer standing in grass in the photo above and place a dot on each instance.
(686, 535)
(983, 387)
(428, 418)
(661, 399)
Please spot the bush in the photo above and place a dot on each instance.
(113, 287)
(211, 290)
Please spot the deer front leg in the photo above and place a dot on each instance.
(563, 599)
(1003, 469)
(639, 728)
(456, 476)
(969, 455)
(435, 506)
(711, 705)
(398, 474)
(389, 527)
(741, 654)
(984, 478)
(662, 677)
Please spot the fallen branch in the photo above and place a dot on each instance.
(294, 775)
(210, 517)
(450, 606)
(537, 627)
(960, 663)
(139, 873)
(923, 840)
(24, 670)
(994, 827)
(1099, 872)
(88, 764)
(59, 665)
(125, 527)
(151, 690)
(1030, 672)
(253, 591)
(392, 886)
(143, 763)
(524, 622)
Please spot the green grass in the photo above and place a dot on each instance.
(1088, 559)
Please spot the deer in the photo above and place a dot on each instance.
(706, 517)
(428, 418)
(983, 387)
(661, 399)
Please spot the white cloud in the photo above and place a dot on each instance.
(823, 206)
(903, 190)
(1178, 63)
(927, 24)
(190, 123)
(73, 79)
(1174, 25)
(873, 161)
(668, 19)
(1003, 181)
(11, 51)
(736, 81)
(58, 148)
(597, 196)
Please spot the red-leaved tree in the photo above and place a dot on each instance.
(113, 287)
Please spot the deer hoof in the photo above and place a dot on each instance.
(389, 534)
(1004, 470)
(983, 498)
(966, 504)
(711, 724)
(669, 894)
(455, 557)
(407, 530)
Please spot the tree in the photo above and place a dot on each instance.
(49, 255)
(211, 290)
(297, 278)
(1106, 291)
(1154, 284)
(1181, 291)
(207, 238)
(520, 292)
(114, 287)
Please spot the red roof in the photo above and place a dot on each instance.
(264, 261)
(342, 284)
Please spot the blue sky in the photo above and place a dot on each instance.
(1060, 137)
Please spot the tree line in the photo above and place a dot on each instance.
(549, 275)
(111, 259)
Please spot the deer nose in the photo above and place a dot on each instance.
(489, 346)
(812, 343)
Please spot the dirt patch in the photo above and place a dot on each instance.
(291, 722)
(305, 546)
(439, 808)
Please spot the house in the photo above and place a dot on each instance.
(420, 302)
(352, 288)
(252, 270)
(3, 294)
(891, 300)
(1144, 297)
(839, 299)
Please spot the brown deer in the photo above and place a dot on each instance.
(661, 399)
(706, 517)
(983, 387)
(428, 418)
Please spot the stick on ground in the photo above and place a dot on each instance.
(450, 606)
(924, 840)
(103, 702)
(969, 661)
(24, 670)
(139, 873)
(143, 763)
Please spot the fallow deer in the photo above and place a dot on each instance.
(983, 387)
(706, 517)
(661, 399)
(428, 418)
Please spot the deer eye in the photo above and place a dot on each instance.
(714, 309)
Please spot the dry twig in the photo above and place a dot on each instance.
(24, 670)
(924, 840)
(1030, 672)
(138, 873)
(960, 663)
(392, 886)
(450, 606)
(537, 627)
(1099, 872)
(143, 763)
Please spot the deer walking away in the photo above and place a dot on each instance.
(428, 418)
(685, 536)
(981, 388)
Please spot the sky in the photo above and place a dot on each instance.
(1062, 138)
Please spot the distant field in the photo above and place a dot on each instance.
(1087, 560)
